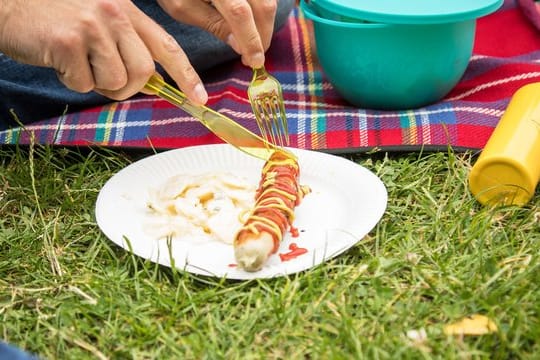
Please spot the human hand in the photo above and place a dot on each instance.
(246, 25)
(104, 45)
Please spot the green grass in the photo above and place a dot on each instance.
(67, 292)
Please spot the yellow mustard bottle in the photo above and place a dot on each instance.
(508, 168)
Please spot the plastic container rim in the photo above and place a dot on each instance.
(310, 14)
(396, 19)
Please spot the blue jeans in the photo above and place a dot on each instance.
(9, 352)
(35, 93)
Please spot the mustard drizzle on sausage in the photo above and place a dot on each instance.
(276, 197)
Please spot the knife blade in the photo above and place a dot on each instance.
(224, 127)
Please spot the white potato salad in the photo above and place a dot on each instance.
(210, 206)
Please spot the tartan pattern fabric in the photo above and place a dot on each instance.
(505, 57)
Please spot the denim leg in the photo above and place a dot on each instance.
(34, 93)
(10, 352)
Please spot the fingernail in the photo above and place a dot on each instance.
(200, 93)
(257, 60)
(231, 41)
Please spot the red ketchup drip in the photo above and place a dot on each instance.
(294, 232)
(233, 265)
(294, 252)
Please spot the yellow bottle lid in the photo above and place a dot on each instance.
(501, 182)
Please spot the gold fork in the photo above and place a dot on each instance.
(266, 98)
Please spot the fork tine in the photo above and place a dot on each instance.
(281, 121)
(258, 111)
(266, 98)
(276, 123)
(268, 119)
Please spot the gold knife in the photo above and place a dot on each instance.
(225, 128)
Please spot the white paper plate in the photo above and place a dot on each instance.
(346, 203)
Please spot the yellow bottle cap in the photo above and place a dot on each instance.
(501, 182)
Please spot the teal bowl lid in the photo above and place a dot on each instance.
(410, 11)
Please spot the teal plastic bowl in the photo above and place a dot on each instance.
(391, 66)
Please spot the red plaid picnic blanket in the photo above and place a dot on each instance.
(505, 57)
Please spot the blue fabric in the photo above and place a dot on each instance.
(34, 93)
(9, 352)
